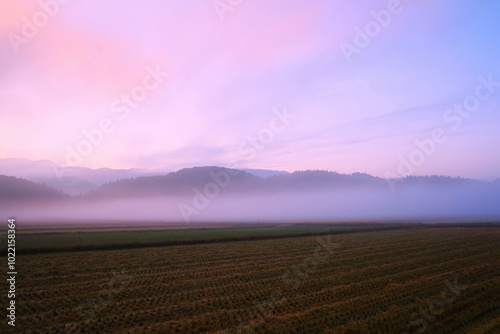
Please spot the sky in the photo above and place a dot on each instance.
(389, 88)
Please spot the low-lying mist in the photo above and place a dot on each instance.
(451, 203)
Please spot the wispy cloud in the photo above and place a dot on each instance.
(226, 75)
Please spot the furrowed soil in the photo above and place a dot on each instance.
(414, 280)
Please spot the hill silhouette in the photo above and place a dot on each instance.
(221, 194)
(234, 181)
(181, 182)
(13, 188)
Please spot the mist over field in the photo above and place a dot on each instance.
(421, 202)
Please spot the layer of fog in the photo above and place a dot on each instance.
(464, 203)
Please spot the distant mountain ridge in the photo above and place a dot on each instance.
(187, 180)
(264, 173)
(139, 183)
(217, 193)
(181, 182)
(71, 180)
(75, 180)
(12, 188)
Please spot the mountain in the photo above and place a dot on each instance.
(264, 173)
(12, 188)
(181, 182)
(107, 182)
(71, 180)
(238, 181)
(185, 181)
(81, 180)
(221, 194)
(313, 180)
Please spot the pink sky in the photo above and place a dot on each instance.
(227, 77)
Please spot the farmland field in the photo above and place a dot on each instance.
(408, 280)
(33, 240)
